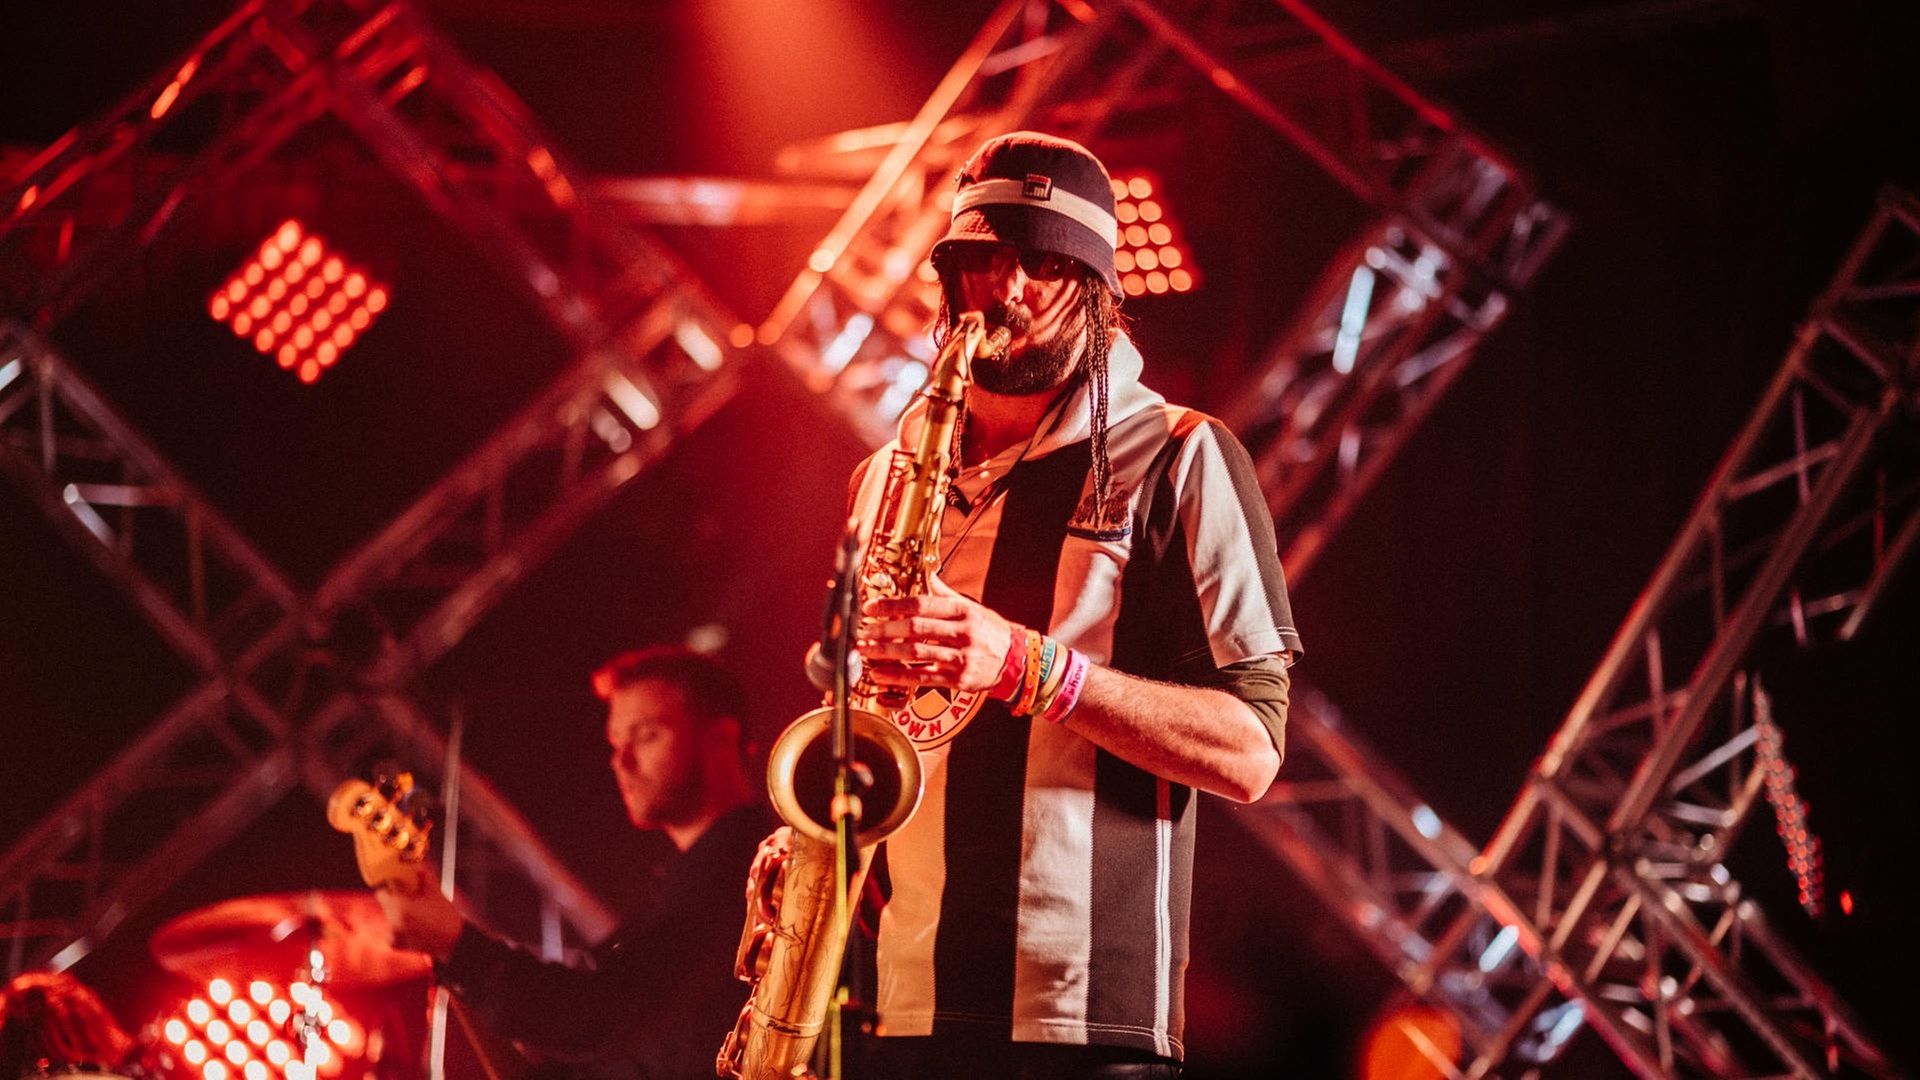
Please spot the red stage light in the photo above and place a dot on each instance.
(1149, 240)
(265, 300)
(299, 1034)
(1411, 1042)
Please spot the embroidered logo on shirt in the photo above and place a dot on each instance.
(936, 714)
(1038, 187)
(1116, 525)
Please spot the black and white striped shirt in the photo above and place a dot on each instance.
(1041, 890)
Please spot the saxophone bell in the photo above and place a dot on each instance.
(794, 963)
(800, 776)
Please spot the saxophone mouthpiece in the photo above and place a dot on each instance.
(971, 327)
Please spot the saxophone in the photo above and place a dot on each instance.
(793, 964)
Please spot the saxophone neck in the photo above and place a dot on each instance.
(953, 368)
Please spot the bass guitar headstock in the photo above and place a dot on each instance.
(391, 822)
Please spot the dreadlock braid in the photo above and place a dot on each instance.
(1103, 319)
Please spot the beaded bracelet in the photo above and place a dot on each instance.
(1068, 695)
(1013, 668)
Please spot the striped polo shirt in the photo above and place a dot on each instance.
(1041, 891)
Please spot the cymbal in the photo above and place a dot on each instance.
(269, 936)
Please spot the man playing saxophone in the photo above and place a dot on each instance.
(1107, 634)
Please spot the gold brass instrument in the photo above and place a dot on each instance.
(793, 964)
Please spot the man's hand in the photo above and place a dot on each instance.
(419, 918)
(941, 638)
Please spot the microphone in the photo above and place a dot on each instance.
(839, 602)
(820, 668)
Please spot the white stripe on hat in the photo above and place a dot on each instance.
(1062, 201)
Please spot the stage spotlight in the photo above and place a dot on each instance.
(300, 304)
(1149, 239)
(270, 1033)
(1411, 1041)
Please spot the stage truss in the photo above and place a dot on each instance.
(298, 688)
(1523, 957)
(1605, 898)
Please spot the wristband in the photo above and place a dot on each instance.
(1052, 669)
(1013, 668)
(1050, 658)
(1055, 672)
(1069, 693)
(1031, 687)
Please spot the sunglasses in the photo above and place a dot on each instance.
(998, 258)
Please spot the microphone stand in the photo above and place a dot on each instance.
(850, 778)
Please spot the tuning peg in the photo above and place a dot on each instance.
(389, 779)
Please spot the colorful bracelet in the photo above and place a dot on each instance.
(1068, 695)
(1030, 688)
(1050, 679)
(1055, 675)
(1050, 657)
(1015, 666)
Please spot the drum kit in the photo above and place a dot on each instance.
(269, 971)
(335, 938)
(279, 957)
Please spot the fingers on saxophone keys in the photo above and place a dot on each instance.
(911, 631)
(918, 652)
(908, 607)
(916, 672)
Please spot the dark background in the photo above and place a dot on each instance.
(1716, 158)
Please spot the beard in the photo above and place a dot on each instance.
(669, 801)
(1037, 368)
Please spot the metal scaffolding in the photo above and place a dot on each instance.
(1611, 864)
(292, 693)
(1605, 898)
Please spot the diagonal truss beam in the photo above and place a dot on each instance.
(291, 698)
(1395, 317)
(1584, 910)
(1611, 861)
